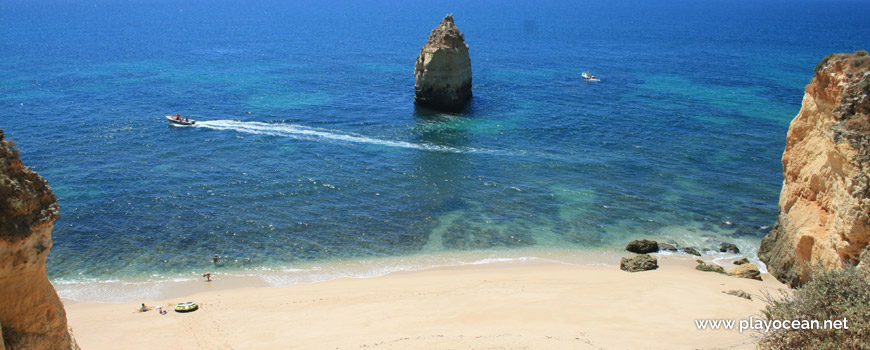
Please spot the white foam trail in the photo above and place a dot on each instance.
(309, 133)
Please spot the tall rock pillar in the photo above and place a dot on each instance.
(443, 69)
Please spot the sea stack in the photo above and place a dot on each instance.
(31, 314)
(824, 205)
(443, 69)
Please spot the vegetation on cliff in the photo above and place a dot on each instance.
(829, 295)
(26, 199)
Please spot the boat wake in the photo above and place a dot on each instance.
(318, 134)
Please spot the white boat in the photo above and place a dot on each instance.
(589, 76)
(179, 120)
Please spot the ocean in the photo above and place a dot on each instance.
(310, 161)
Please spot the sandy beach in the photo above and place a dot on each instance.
(518, 305)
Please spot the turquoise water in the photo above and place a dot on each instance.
(309, 151)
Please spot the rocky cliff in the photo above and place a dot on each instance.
(443, 69)
(31, 314)
(824, 205)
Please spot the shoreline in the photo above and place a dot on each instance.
(531, 304)
(127, 290)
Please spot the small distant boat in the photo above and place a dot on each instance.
(179, 120)
(589, 76)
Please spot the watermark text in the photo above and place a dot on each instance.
(767, 325)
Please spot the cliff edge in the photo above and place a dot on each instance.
(824, 205)
(443, 69)
(31, 314)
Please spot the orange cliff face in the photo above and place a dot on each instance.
(31, 314)
(824, 205)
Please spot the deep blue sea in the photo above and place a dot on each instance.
(309, 151)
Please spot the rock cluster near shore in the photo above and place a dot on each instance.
(645, 246)
(824, 205)
(640, 262)
(642, 246)
(643, 262)
(749, 271)
(703, 266)
(31, 314)
(443, 69)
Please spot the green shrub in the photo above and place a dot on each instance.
(823, 62)
(11, 144)
(859, 61)
(829, 295)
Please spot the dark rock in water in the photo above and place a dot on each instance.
(741, 261)
(443, 69)
(667, 247)
(690, 250)
(746, 271)
(744, 231)
(726, 224)
(739, 293)
(642, 246)
(640, 262)
(728, 248)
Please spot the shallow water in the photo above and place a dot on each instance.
(309, 151)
